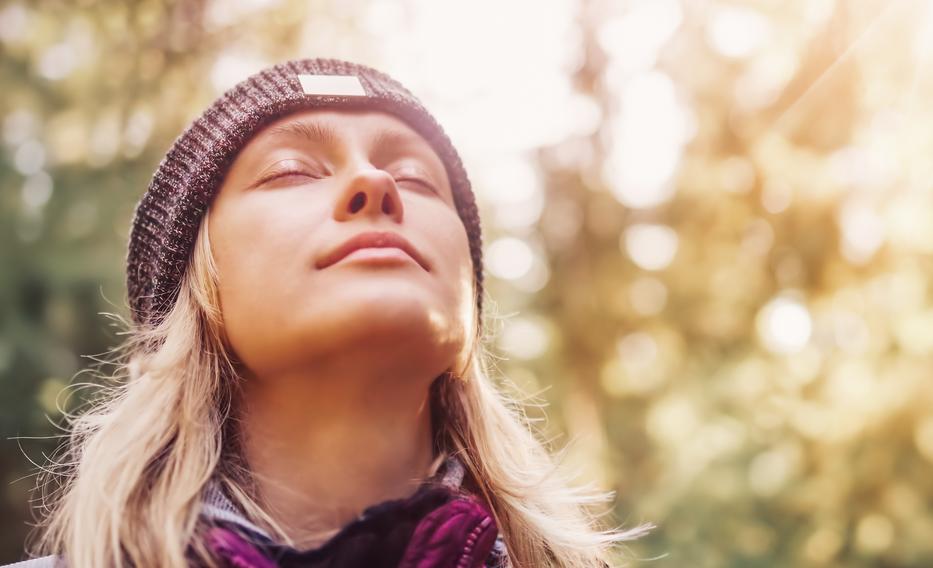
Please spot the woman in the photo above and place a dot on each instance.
(303, 382)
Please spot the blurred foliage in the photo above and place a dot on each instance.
(707, 231)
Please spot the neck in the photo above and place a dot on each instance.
(323, 448)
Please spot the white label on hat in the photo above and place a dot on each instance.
(332, 85)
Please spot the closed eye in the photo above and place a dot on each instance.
(414, 173)
(418, 181)
(286, 174)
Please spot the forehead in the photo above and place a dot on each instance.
(334, 127)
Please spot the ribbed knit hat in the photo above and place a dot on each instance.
(169, 214)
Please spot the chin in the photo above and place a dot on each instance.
(382, 295)
(409, 317)
(383, 320)
(397, 336)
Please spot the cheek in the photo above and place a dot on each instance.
(261, 249)
(460, 286)
(452, 255)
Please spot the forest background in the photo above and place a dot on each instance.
(708, 231)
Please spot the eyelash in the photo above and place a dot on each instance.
(283, 173)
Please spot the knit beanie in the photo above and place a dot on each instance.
(168, 216)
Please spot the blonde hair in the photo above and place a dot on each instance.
(128, 482)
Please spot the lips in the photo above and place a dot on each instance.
(372, 239)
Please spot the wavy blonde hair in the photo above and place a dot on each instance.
(125, 487)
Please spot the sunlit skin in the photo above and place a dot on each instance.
(337, 361)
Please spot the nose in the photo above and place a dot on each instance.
(369, 192)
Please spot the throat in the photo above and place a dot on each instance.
(319, 465)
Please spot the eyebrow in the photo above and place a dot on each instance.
(387, 138)
(311, 131)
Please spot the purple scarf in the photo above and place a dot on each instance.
(436, 527)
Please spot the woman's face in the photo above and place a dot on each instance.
(296, 193)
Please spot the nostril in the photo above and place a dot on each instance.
(358, 201)
(386, 204)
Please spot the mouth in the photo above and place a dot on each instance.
(393, 247)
